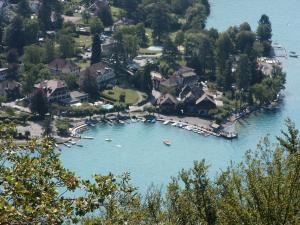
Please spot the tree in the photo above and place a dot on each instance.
(15, 35)
(243, 72)
(2, 99)
(44, 15)
(130, 46)
(85, 16)
(50, 52)
(36, 188)
(150, 109)
(196, 16)
(39, 102)
(199, 54)
(155, 14)
(224, 48)
(225, 78)
(31, 31)
(130, 7)
(263, 189)
(33, 54)
(245, 27)
(264, 34)
(141, 34)
(245, 41)
(23, 8)
(96, 26)
(66, 46)
(96, 49)
(88, 83)
(142, 79)
(179, 39)
(264, 29)
(170, 51)
(104, 13)
(28, 80)
(47, 126)
(71, 81)
(12, 56)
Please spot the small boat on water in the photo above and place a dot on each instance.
(79, 145)
(174, 124)
(119, 146)
(166, 122)
(67, 145)
(72, 142)
(108, 139)
(167, 142)
(294, 55)
(187, 128)
(153, 121)
(88, 138)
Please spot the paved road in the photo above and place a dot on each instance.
(17, 107)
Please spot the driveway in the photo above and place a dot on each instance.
(17, 107)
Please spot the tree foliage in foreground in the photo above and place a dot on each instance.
(263, 189)
(34, 185)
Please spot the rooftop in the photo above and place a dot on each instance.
(51, 85)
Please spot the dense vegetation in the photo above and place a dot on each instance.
(263, 189)
(227, 60)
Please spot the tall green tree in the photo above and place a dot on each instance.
(224, 48)
(31, 31)
(88, 83)
(44, 15)
(196, 16)
(34, 54)
(96, 26)
(39, 102)
(264, 29)
(170, 51)
(104, 13)
(155, 14)
(66, 46)
(264, 33)
(96, 49)
(199, 54)
(50, 51)
(86, 16)
(15, 35)
(243, 72)
(23, 8)
(245, 41)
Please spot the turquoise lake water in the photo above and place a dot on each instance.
(138, 148)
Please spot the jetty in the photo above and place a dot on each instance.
(201, 127)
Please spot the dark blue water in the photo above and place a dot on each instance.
(138, 148)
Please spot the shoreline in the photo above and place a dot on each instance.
(195, 124)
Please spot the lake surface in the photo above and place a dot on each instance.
(138, 148)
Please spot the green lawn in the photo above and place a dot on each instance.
(83, 40)
(84, 64)
(131, 96)
(116, 12)
(149, 35)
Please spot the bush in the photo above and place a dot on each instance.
(63, 127)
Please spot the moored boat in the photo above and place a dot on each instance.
(166, 122)
(294, 55)
(167, 142)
